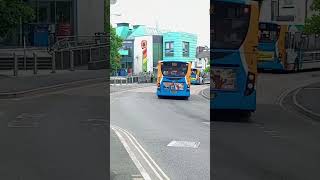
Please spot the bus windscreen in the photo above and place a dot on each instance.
(230, 22)
(174, 69)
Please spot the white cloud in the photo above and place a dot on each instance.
(178, 15)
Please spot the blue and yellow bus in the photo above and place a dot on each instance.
(197, 76)
(234, 42)
(284, 47)
(173, 79)
(271, 46)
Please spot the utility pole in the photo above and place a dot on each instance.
(306, 11)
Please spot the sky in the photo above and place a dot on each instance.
(190, 16)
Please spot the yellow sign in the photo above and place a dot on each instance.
(265, 56)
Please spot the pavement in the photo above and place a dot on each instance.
(309, 97)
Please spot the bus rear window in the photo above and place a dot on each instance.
(174, 69)
(268, 32)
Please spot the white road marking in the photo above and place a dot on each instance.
(137, 145)
(132, 155)
(147, 154)
(207, 123)
(187, 144)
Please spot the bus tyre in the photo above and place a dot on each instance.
(159, 97)
(186, 98)
(246, 115)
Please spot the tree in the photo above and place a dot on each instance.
(10, 13)
(115, 45)
(207, 69)
(312, 24)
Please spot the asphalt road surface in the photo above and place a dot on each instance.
(55, 136)
(165, 138)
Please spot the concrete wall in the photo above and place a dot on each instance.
(90, 16)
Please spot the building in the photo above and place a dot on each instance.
(179, 46)
(202, 58)
(149, 45)
(60, 17)
(291, 12)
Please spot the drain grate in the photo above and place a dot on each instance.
(186, 144)
(26, 120)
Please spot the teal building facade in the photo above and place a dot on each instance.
(166, 45)
(179, 46)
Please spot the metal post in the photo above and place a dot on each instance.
(81, 52)
(35, 65)
(53, 62)
(62, 63)
(15, 64)
(71, 60)
(90, 55)
(120, 81)
(24, 54)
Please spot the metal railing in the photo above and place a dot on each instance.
(124, 80)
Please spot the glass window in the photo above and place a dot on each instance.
(169, 49)
(174, 69)
(268, 32)
(229, 25)
(185, 50)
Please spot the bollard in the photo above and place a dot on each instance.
(53, 63)
(15, 64)
(71, 60)
(35, 65)
(126, 80)
(120, 81)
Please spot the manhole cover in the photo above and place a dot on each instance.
(187, 144)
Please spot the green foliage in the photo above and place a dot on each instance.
(115, 45)
(10, 13)
(207, 69)
(312, 24)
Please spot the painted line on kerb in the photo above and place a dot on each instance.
(146, 153)
(142, 153)
(287, 91)
(295, 101)
(143, 172)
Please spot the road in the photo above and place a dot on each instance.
(277, 143)
(61, 135)
(155, 123)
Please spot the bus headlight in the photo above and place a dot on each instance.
(250, 85)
